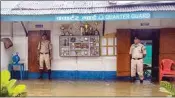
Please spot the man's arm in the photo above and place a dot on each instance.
(50, 50)
(38, 50)
(144, 51)
(130, 51)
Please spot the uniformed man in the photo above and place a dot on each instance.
(44, 55)
(137, 52)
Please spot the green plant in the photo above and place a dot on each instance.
(8, 87)
(167, 87)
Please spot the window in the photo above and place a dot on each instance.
(108, 45)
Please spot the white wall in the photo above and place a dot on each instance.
(71, 63)
(5, 53)
(20, 45)
(5, 57)
(20, 42)
(111, 26)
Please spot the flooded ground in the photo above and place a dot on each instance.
(90, 88)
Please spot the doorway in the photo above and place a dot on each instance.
(33, 40)
(150, 38)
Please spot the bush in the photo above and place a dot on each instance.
(167, 87)
(8, 87)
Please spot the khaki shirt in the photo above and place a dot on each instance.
(45, 46)
(137, 51)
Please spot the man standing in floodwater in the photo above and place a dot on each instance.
(137, 52)
(44, 55)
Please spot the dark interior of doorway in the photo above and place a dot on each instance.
(153, 36)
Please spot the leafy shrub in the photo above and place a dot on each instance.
(167, 87)
(8, 87)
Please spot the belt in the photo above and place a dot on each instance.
(137, 58)
(44, 53)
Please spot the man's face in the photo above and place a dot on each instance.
(44, 37)
(136, 41)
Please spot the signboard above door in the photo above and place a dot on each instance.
(80, 17)
(98, 17)
(39, 26)
(91, 17)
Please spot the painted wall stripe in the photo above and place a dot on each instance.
(76, 75)
(168, 14)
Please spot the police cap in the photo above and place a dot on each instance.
(44, 34)
(137, 38)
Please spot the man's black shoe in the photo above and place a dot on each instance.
(133, 79)
(40, 77)
(49, 74)
(41, 74)
(141, 81)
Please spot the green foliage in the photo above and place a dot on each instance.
(8, 87)
(167, 87)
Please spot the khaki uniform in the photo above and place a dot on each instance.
(44, 48)
(137, 52)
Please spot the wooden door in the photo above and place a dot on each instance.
(123, 57)
(167, 44)
(33, 40)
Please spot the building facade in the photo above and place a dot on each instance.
(120, 20)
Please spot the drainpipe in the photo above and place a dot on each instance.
(12, 30)
(103, 28)
(25, 30)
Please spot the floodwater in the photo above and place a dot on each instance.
(90, 88)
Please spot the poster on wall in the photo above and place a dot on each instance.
(82, 28)
(7, 42)
(80, 38)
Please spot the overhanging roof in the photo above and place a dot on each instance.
(82, 7)
(85, 10)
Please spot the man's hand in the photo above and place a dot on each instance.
(51, 55)
(38, 58)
